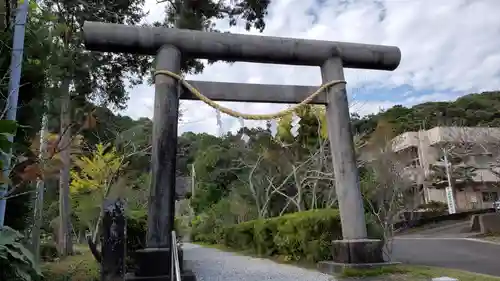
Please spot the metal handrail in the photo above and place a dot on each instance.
(176, 269)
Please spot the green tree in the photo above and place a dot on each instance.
(98, 77)
(34, 83)
(92, 183)
(479, 109)
(202, 14)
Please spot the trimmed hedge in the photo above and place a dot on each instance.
(299, 236)
(434, 206)
(137, 225)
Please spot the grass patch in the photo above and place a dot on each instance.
(493, 237)
(81, 267)
(372, 272)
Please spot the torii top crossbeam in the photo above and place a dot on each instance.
(108, 37)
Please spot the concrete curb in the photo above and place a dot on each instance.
(482, 241)
(449, 238)
(430, 238)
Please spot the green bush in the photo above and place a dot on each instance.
(73, 268)
(263, 237)
(206, 228)
(137, 224)
(373, 227)
(85, 268)
(48, 251)
(434, 206)
(299, 236)
(239, 236)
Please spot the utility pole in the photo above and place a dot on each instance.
(13, 94)
(193, 179)
(449, 189)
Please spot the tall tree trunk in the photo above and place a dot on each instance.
(95, 233)
(40, 188)
(3, 15)
(65, 242)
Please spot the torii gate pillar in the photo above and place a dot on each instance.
(332, 57)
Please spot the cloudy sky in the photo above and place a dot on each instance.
(449, 48)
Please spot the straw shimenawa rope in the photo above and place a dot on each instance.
(246, 116)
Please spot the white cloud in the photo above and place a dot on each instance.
(447, 46)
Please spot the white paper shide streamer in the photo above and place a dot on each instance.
(273, 127)
(295, 125)
(244, 136)
(220, 129)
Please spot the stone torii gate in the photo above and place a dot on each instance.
(169, 45)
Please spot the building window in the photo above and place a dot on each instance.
(415, 162)
(490, 196)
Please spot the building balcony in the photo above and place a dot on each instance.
(405, 140)
(486, 176)
(439, 135)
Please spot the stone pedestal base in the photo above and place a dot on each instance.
(362, 253)
(330, 267)
(358, 251)
(154, 264)
(186, 275)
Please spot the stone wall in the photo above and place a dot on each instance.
(486, 223)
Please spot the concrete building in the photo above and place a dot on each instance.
(479, 149)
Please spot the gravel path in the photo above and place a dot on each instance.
(214, 265)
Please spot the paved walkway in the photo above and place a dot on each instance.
(457, 253)
(213, 265)
(448, 245)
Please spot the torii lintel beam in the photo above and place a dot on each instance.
(108, 37)
(243, 92)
